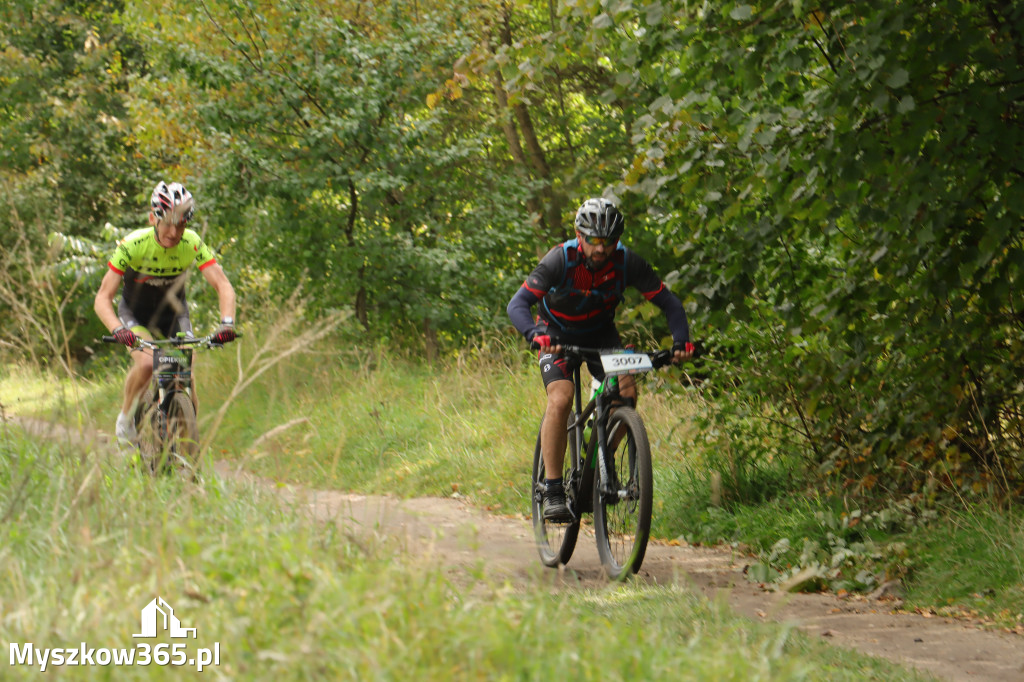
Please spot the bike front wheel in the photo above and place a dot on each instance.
(622, 506)
(149, 427)
(555, 541)
(181, 438)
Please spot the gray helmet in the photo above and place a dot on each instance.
(599, 218)
(172, 202)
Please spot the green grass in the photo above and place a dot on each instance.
(49, 394)
(972, 565)
(88, 542)
(385, 424)
(955, 560)
(376, 422)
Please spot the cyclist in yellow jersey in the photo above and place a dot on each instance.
(152, 262)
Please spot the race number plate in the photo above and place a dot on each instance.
(626, 363)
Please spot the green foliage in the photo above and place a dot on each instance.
(68, 163)
(48, 319)
(834, 190)
(839, 185)
(462, 429)
(333, 169)
(67, 158)
(841, 551)
(427, 430)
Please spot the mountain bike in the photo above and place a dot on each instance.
(607, 469)
(165, 419)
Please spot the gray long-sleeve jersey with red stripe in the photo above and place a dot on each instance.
(574, 300)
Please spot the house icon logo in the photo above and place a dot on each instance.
(158, 615)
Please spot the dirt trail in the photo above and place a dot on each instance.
(469, 538)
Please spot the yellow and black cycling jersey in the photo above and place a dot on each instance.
(154, 278)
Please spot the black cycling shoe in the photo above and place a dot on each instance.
(555, 508)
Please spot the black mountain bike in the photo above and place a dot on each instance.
(165, 419)
(607, 469)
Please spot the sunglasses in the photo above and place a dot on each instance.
(599, 241)
(166, 222)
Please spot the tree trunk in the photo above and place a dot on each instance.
(531, 159)
(430, 341)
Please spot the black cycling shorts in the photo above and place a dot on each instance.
(555, 367)
(163, 323)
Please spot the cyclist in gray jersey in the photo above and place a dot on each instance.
(152, 263)
(576, 287)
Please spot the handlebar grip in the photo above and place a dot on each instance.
(661, 359)
(554, 344)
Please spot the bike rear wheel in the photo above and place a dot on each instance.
(622, 512)
(555, 541)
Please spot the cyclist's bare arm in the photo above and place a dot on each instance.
(104, 305)
(216, 278)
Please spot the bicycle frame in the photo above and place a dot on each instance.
(581, 472)
(172, 377)
(172, 369)
(606, 397)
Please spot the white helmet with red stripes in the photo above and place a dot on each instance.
(172, 203)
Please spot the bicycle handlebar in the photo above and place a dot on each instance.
(659, 358)
(203, 342)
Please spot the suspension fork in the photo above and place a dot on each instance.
(604, 464)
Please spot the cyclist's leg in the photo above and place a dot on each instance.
(553, 435)
(628, 389)
(139, 374)
(557, 373)
(141, 370)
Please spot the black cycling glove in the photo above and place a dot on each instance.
(684, 346)
(224, 334)
(126, 336)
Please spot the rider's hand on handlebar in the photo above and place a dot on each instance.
(125, 336)
(224, 334)
(681, 352)
(545, 344)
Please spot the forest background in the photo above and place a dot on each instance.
(832, 189)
